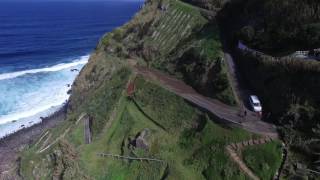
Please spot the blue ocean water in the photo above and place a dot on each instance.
(40, 42)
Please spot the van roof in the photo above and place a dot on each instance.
(254, 99)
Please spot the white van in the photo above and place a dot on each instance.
(255, 103)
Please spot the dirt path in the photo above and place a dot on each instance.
(234, 147)
(234, 156)
(224, 112)
(87, 131)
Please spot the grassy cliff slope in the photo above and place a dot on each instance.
(186, 140)
(186, 143)
(179, 39)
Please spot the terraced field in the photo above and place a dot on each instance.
(176, 23)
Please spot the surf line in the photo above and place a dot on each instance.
(81, 61)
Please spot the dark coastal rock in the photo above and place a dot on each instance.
(74, 70)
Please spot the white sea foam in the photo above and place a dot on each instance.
(58, 99)
(59, 67)
(24, 100)
(12, 127)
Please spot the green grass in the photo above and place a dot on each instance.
(209, 51)
(264, 160)
(98, 105)
(192, 146)
(211, 42)
(194, 151)
(95, 166)
(132, 122)
(128, 122)
(32, 161)
(101, 101)
(212, 52)
(161, 105)
(27, 162)
(207, 149)
(177, 116)
(77, 134)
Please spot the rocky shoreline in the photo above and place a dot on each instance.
(11, 146)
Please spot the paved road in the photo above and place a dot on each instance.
(224, 112)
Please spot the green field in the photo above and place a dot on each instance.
(188, 141)
(264, 160)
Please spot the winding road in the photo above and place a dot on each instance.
(224, 112)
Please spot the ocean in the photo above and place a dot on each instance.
(40, 43)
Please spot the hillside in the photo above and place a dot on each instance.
(179, 39)
(297, 109)
(182, 142)
(153, 133)
(288, 87)
(272, 26)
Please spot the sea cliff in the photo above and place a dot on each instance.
(154, 133)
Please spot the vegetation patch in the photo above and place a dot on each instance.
(199, 61)
(264, 160)
(190, 146)
(206, 150)
(280, 28)
(174, 36)
(101, 102)
(162, 106)
(294, 109)
(201, 142)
